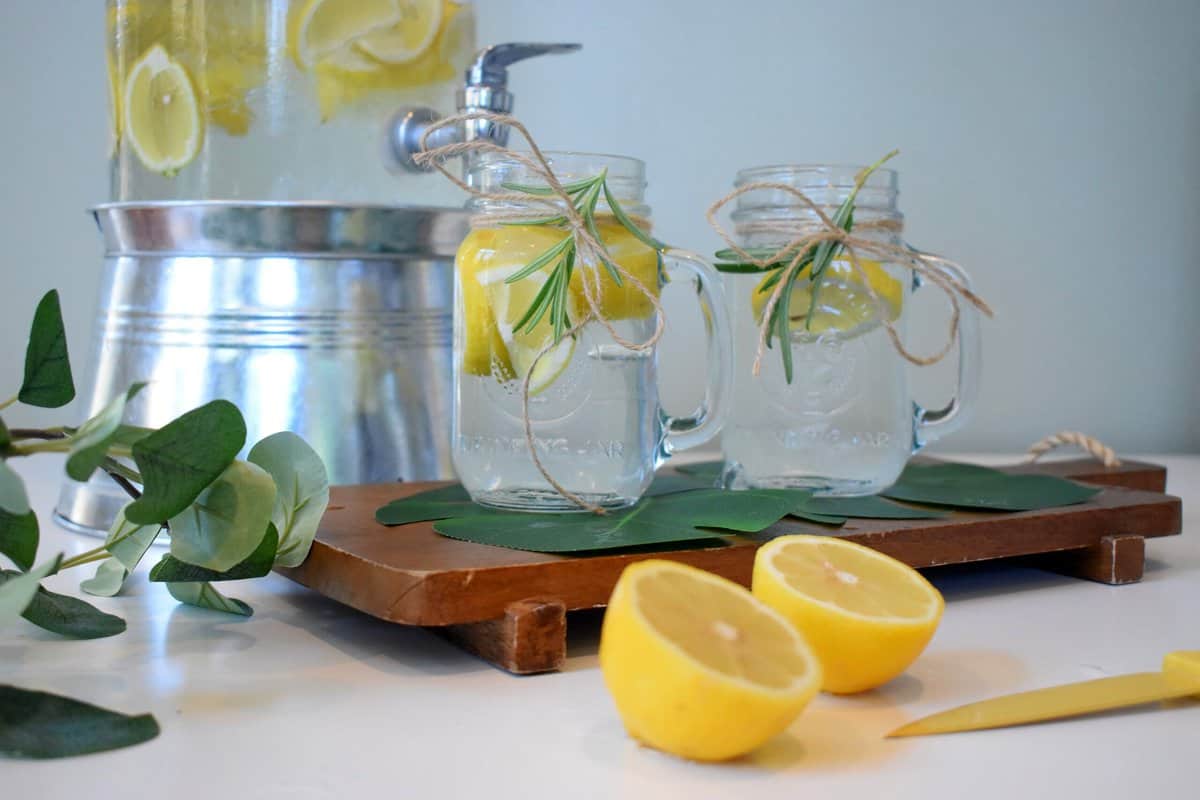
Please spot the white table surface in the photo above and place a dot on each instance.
(310, 699)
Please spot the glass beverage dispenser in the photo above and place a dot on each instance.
(267, 241)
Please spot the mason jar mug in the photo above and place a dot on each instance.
(846, 423)
(592, 411)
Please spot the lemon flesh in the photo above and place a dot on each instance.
(162, 118)
(491, 308)
(866, 615)
(407, 38)
(355, 48)
(697, 666)
(326, 27)
(843, 303)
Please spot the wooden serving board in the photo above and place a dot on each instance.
(509, 606)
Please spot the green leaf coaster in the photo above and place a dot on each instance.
(682, 517)
(975, 487)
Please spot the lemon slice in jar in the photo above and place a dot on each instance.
(509, 302)
(327, 29)
(408, 38)
(843, 302)
(636, 258)
(161, 115)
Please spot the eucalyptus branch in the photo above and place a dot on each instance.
(5, 404)
(38, 433)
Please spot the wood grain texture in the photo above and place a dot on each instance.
(413, 576)
(530, 638)
(1115, 560)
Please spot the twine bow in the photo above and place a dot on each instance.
(805, 236)
(590, 249)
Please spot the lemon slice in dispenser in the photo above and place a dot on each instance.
(326, 29)
(161, 115)
(407, 39)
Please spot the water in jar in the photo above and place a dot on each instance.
(593, 403)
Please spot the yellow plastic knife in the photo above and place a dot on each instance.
(1180, 677)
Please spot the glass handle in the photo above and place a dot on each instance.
(706, 421)
(934, 424)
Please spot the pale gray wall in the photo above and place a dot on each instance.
(1052, 147)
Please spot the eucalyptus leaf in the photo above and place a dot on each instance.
(43, 725)
(970, 486)
(205, 595)
(683, 517)
(48, 382)
(19, 538)
(90, 442)
(257, 564)
(180, 460)
(128, 543)
(302, 492)
(66, 615)
(109, 578)
(13, 498)
(227, 520)
(17, 592)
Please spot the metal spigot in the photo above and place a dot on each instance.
(485, 89)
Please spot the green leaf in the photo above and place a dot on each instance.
(13, 498)
(179, 461)
(48, 382)
(970, 486)
(19, 538)
(685, 517)
(128, 543)
(43, 725)
(869, 507)
(90, 442)
(704, 470)
(302, 492)
(672, 484)
(545, 191)
(257, 564)
(227, 520)
(444, 503)
(129, 435)
(109, 578)
(67, 616)
(545, 258)
(628, 224)
(17, 592)
(205, 595)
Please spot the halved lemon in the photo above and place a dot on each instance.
(843, 302)
(324, 29)
(162, 117)
(866, 615)
(697, 666)
(408, 38)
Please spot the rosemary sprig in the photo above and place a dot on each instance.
(815, 262)
(553, 297)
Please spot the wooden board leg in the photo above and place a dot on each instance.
(531, 637)
(1116, 560)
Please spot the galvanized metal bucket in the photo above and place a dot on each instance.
(331, 321)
